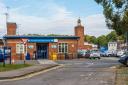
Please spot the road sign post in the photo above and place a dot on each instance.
(25, 44)
(4, 56)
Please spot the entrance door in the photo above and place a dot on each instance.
(42, 51)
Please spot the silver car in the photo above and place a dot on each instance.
(95, 55)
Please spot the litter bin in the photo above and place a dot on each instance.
(54, 56)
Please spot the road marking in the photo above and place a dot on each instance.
(34, 74)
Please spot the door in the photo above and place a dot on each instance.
(42, 51)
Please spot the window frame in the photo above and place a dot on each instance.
(62, 47)
(20, 48)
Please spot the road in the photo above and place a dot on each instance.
(74, 72)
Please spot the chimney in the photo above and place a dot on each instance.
(11, 28)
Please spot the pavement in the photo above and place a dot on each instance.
(25, 71)
(74, 72)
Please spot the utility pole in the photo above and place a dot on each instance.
(4, 41)
(7, 15)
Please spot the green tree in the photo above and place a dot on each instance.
(87, 38)
(116, 14)
(112, 36)
(90, 39)
(102, 41)
(93, 40)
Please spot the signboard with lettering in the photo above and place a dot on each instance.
(42, 40)
(30, 46)
(53, 46)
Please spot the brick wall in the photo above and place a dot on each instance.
(52, 50)
(31, 47)
(79, 31)
(72, 48)
(12, 44)
(11, 28)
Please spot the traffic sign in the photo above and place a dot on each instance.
(24, 41)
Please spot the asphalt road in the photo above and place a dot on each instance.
(75, 72)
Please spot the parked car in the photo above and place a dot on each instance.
(95, 55)
(4, 56)
(103, 54)
(1, 56)
(84, 54)
(120, 53)
(124, 60)
(111, 53)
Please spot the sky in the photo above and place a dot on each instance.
(53, 16)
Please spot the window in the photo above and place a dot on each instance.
(19, 48)
(63, 48)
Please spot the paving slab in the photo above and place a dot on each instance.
(25, 71)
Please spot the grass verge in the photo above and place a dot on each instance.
(9, 67)
(122, 75)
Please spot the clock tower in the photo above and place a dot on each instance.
(79, 31)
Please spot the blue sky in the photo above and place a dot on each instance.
(54, 16)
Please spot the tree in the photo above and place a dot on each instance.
(90, 39)
(93, 40)
(87, 38)
(116, 14)
(112, 36)
(102, 41)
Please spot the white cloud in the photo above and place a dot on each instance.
(2, 19)
(58, 21)
(96, 25)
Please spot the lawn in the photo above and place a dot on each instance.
(9, 67)
(122, 76)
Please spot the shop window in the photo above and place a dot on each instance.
(19, 48)
(63, 48)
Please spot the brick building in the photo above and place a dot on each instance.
(45, 47)
(79, 31)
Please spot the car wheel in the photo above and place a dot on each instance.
(109, 55)
(98, 57)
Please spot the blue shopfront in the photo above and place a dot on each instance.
(42, 47)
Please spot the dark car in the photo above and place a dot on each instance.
(1, 56)
(4, 56)
(124, 60)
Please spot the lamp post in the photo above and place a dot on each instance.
(4, 51)
(25, 44)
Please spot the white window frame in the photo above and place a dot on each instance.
(61, 49)
(20, 48)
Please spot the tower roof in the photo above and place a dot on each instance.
(79, 22)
